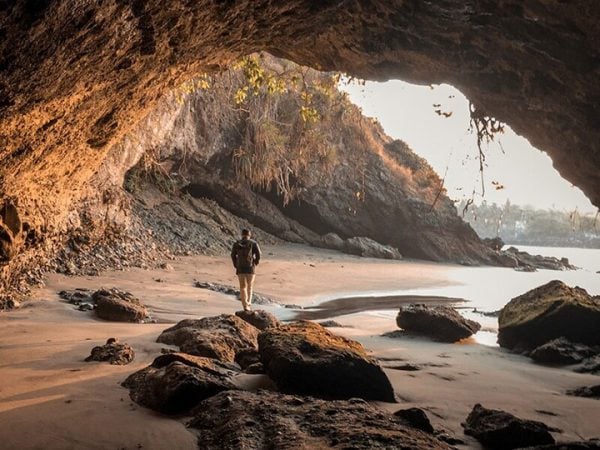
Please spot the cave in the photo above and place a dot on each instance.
(66, 100)
(117, 166)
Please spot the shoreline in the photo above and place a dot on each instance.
(51, 399)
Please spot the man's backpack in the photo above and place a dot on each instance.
(245, 255)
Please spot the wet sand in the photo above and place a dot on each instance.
(51, 399)
(353, 305)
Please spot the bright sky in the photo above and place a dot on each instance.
(406, 112)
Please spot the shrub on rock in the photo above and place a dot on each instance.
(305, 358)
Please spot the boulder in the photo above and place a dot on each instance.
(305, 358)
(332, 241)
(590, 365)
(528, 262)
(441, 323)
(264, 419)
(586, 391)
(259, 318)
(561, 352)
(501, 430)
(118, 306)
(113, 352)
(549, 312)
(221, 337)
(416, 418)
(363, 246)
(175, 382)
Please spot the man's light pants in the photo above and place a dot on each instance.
(246, 285)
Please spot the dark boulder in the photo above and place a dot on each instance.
(175, 383)
(549, 312)
(118, 306)
(305, 358)
(332, 241)
(441, 323)
(263, 419)
(501, 430)
(416, 418)
(221, 337)
(561, 352)
(590, 365)
(113, 351)
(259, 318)
(586, 391)
(363, 246)
(528, 262)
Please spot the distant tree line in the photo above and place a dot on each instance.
(528, 226)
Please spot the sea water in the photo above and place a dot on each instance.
(488, 289)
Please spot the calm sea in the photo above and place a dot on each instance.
(490, 288)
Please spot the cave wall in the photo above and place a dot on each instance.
(75, 77)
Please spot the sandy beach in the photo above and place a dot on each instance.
(51, 399)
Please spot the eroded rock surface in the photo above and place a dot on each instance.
(501, 430)
(441, 323)
(305, 358)
(113, 352)
(259, 318)
(549, 312)
(118, 306)
(562, 352)
(257, 420)
(175, 383)
(222, 337)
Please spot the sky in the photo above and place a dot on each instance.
(406, 112)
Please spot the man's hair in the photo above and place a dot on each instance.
(245, 232)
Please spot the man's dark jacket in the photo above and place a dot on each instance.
(235, 250)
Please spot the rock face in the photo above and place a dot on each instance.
(113, 351)
(305, 358)
(175, 383)
(118, 306)
(255, 420)
(501, 430)
(259, 318)
(561, 352)
(222, 337)
(549, 312)
(441, 323)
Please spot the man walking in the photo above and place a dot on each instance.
(245, 255)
